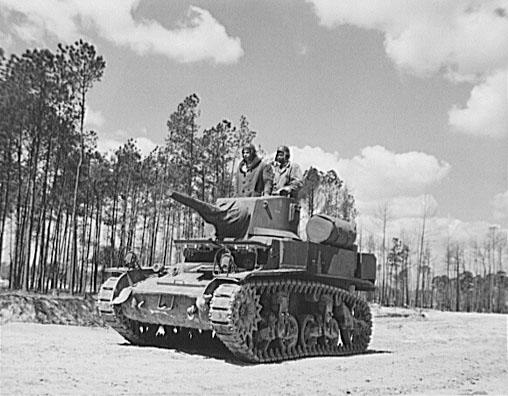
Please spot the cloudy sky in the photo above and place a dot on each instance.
(407, 99)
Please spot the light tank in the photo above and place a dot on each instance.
(252, 283)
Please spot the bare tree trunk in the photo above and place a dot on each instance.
(88, 242)
(76, 185)
(448, 274)
(383, 253)
(142, 248)
(97, 246)
(74, 225)
(123, 228)
(44, 252)
(407, 281)
(29, 202)
(5, 208)
(419, 266)
(131, 239)
(44, 263)
(34, 260)
(66, 251)
(172, 236)
(167, 227)
(55, 251)
(42, 221)
(113, 228)
(153, 250)
(457, 267)
(84, 259)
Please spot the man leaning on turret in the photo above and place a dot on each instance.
(288, 178)
(253, 177)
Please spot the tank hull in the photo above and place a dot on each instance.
(260, 316)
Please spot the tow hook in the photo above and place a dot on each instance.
(191, 312)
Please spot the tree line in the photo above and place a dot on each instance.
(409, 271)
(67, 211)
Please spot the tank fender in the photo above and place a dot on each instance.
(124, 295)
(202, 304)
(214, 284)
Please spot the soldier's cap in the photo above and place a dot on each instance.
(249, 147)
(283, 149)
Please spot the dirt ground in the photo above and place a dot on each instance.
(441, 353)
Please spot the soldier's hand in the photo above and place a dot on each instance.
(282, 191)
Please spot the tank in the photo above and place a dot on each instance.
(251, 283)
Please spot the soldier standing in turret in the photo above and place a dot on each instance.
(288, 178)
(253, 177)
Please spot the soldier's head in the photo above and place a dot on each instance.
(248, 153)
(282, 155)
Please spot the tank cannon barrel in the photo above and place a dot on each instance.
(207, 211)
(229, 218)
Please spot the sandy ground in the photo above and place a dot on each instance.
(443, 353)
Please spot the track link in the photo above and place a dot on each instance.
(239, 327)
(114, 317)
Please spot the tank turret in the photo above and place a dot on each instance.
(241, 218)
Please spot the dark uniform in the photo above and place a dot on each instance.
(253, 177)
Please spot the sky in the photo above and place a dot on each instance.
(406, 99)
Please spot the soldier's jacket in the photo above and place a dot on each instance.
(289, 176)
(253, 180)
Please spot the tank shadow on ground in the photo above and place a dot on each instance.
(373, 351)
(220, 352)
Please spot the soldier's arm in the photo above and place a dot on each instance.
(267, 179)
(236, 183)
(295, 178)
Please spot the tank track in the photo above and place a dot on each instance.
(114, 317)
(229, 315)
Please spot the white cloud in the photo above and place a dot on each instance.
(199, 36)
(315, 157)
(109, 143)
(400, 207)
(486, 112)
(93, 117)
(145, 145)
(467, 39)
(377, 173)
(500, 205)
